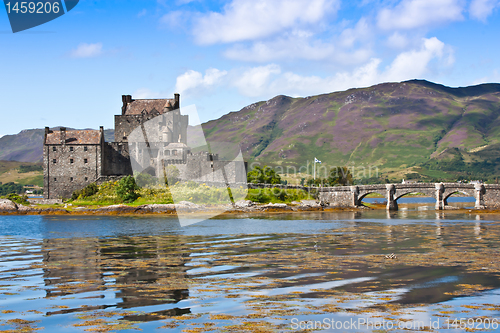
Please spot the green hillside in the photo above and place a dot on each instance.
(414, 129)
(400, 128)
(27, 145)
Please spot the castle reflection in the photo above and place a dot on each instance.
(139, 271)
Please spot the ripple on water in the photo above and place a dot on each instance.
(444, 268)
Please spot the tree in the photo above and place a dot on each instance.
(126, 189)
(340, 176)
(144, 179)
(85, 192)
(172, 174)
(11, 188)
(265, 175)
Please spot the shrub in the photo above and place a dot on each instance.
(126, 189)
(265, 175)
(85, 192)
(340, 176)
(171, 173)
(145, 180)
(11, 187)
(23, 200)
(29, 168)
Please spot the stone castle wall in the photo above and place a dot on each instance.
(68, 168)
(116, 159)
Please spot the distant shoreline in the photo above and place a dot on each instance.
(169, 209)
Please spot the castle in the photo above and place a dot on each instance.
(149, 134)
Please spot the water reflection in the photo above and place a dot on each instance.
(183, 279)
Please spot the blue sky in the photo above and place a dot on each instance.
(223, 55)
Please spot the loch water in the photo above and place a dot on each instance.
(260, 272)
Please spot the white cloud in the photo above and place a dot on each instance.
(296, 45)
(410, 14)
(252, 19)
(414, 63)
(270, 80)
(255, 81)
(174, 19)
(85, 50)
(361, 32)
(297, 85)
(352, 46)
(397, 41)
(494, 77)
(193, 81)
(481, 9)
(142, 13)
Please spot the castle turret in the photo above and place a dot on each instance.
(63, 135)
(177, 99)
(125, 100)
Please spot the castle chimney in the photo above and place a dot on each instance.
(101, 129)
(63, 135)
(177, 99)
(125, 100)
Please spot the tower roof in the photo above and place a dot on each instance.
(137, 106)
(75, 137)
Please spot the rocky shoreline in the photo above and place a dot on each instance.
(8, 207)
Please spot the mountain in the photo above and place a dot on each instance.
(27, 145)
(393, 126)
(410, 129)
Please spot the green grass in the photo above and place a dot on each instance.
(36, 180)
(277, 195)
(197, 193)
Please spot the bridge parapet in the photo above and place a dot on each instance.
(486, 195)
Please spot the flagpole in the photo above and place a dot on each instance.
(314, 169)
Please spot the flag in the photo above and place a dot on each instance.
(316, 160)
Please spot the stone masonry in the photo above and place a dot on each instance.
(71, 160)
(486, 195)
(149, 134)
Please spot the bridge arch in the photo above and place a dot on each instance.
(364, 192)
(401, 193)
(362, 195)
(449, 192)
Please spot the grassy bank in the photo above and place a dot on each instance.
(197, 193)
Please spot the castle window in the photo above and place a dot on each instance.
(71, 179)
(85, 160)
(54, 161)
(167, 152)
(85, 148)
(55, 179)
(70, 148)
(86, 178)
(54, 148)
(70, 160)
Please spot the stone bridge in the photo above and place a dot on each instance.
(486, 195)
